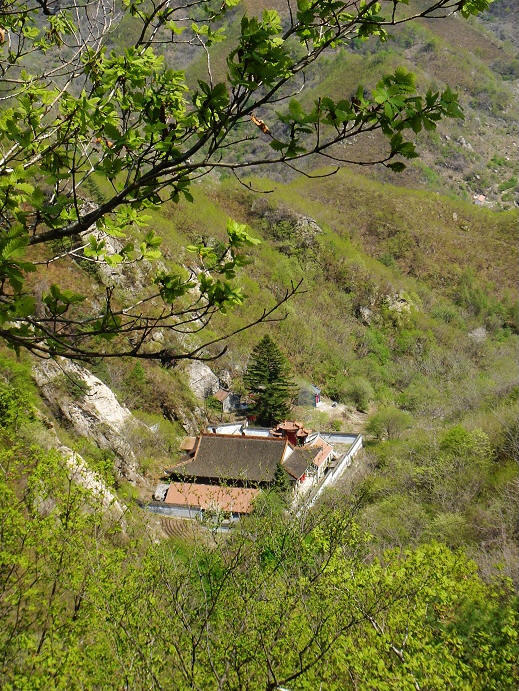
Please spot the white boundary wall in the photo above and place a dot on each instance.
(338, 438)
(333, 475)
(238, 429)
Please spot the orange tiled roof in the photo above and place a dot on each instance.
(235, 499)
(221, 395)
(292, 426)
(324, 450)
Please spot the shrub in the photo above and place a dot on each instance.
(360, 392)
(356, 390)
(410, 341)
(421, 396)
(17, 397)
(397, 520)
(507, 184)
(477, 298)
(213, 405)
(375, 342)
(389, 423)
(337, 388)
(447, 313)
(507, 67)
(458, 441)
(450, 528)
(388, 259)
(73, 385)
(12, 406)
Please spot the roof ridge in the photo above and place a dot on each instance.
(240, 436)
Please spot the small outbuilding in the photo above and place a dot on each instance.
(230, 401)
(309, 396)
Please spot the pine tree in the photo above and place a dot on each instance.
(281, 482)
(269, 382)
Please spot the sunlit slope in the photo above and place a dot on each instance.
(453, 263)
(477, 155)
(474, 155)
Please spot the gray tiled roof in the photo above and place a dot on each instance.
(230, 457)
(299, 460)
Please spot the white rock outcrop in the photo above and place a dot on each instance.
(365, 315)
(225, 377)
(479, 334)
(398, 302)
(91, 408)
(203, 382)
(82, 475)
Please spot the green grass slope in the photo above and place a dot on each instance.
(409, 314)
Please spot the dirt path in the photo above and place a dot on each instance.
(352, 417)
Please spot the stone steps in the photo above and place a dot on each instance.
(176, 527)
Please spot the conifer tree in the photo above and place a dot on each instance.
(281, 482)
(269, 382)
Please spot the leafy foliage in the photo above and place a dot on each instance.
(357, 390)
(80, 107)
(17, 396)
(85, 599)
(281, 481)
(389, 423)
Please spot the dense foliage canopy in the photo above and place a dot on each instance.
(376, 587)
(89, 601)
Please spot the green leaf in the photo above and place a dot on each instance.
(23, 307)
(380, 95)
(397, 166)
(277, 145)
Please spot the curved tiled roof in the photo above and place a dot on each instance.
(298, 461)
(235, 499)
(231, 457)
(321, 451)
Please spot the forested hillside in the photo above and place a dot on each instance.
(149, 221)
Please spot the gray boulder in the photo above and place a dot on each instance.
(202, 381)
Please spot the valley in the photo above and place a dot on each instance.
(259, 408)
